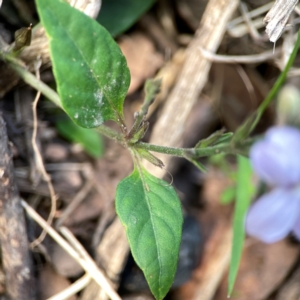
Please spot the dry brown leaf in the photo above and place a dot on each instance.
(263, 268)
(52, 283)
(142, 58)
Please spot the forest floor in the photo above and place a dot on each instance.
(160, 44)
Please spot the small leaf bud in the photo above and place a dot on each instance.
(288, 106)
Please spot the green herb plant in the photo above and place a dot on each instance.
(92, 80)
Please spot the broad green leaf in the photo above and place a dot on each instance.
(90, 140)
(118, 15)
(150, 210)
(90, 71)
(244, 193)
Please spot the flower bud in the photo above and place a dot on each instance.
(288, 106)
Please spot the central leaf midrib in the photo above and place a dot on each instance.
(152, 222)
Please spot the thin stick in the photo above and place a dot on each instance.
(69, 236)
(242, 59)
(73, 289)
(251, 14)
(249, 124)
(41, 167)
(32, 80)
(75, 202)
(169, 128)
(277, 18)
(84, 167)
(15, 256)
(248, 84)
(252, 30)
(89, 266)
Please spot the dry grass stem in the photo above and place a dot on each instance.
(75, 202)
(242, 29)
(85, 261)
(73, 289)
(84, 167)
(237, 27)
(297, 10)
(251, 27)
(248, 84)
(169, 128)
(294, 73)
(241, 59)
(251, 14)
(277, 18)
(69, 236)
(41, 167)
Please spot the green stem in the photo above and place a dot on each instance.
(152, 88)
(112, 134)
(279, 81)
(194, 152)
(250, 123)
(30, 79)
(37, 84)
(119, 137)
(51, 94)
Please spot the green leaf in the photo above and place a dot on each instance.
(118, 15)
(143, 153)
(150, 210)
(197, 163)
(90, 71)
(22, 38)
(216, 138)
(244, 193)
(90, 140)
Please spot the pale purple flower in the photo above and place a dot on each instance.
(276, 161)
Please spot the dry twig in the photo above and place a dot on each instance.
(85, 260)
(237, 27)
(242, 59)
(169, 128)
(277, 18)
(251, 28)
(73, 289)
(13, 236)
(41, 167)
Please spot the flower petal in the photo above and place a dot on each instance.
(296, 228)
(273, 216)
(276, 159)
(282, 135)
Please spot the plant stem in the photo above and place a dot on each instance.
(250, 123)
(49, 93)
(193, 152)
(112, 134)
(225, 148)
(30, 79)
(152, 88)
(37, 84)
(279, 81)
